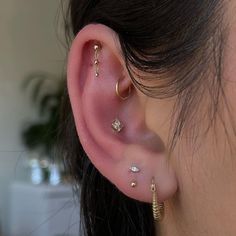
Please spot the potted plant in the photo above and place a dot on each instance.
(41, 136)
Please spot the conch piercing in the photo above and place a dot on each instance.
(96, 61)
(157, 208)
(118, 92)
(116, 125)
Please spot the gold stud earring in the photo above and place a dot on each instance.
(96, 61)
(118, 92)
(157, 208)
(133, 184)
(117, 126)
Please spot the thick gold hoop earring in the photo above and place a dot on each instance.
(158, 209)
(118, 92)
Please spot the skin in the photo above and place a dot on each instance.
(197, 186)
(205, 202)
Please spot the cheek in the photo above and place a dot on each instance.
(230, 91)
(229, 66)
(158, 117)
(207, 178)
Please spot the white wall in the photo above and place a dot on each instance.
(28, 43)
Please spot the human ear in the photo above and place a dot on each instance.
(96, 104)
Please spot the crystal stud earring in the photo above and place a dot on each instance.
(117, 125)
(134, 169)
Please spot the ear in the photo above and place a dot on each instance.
(95, 106)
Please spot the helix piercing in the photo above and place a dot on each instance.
(96, 61)
(157, 208)
(117, 126)
(118, 92)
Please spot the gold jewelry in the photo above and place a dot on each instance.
(157, 208)
(116, 125)
(133, 184)
(96, 61)
(118, 92)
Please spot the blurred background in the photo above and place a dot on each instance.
(35, 191)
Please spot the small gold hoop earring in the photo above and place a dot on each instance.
(118, 92)
(157, 208)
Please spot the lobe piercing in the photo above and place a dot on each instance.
(117, 126)
(134, 169)
(133, 184)
(157, 208)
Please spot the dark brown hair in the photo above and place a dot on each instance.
(174, 43)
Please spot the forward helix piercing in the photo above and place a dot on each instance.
(97, 47)
(157, 208)
(118, 92)
(96, 61)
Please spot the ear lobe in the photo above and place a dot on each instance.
(152, 164)
(96, 105)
